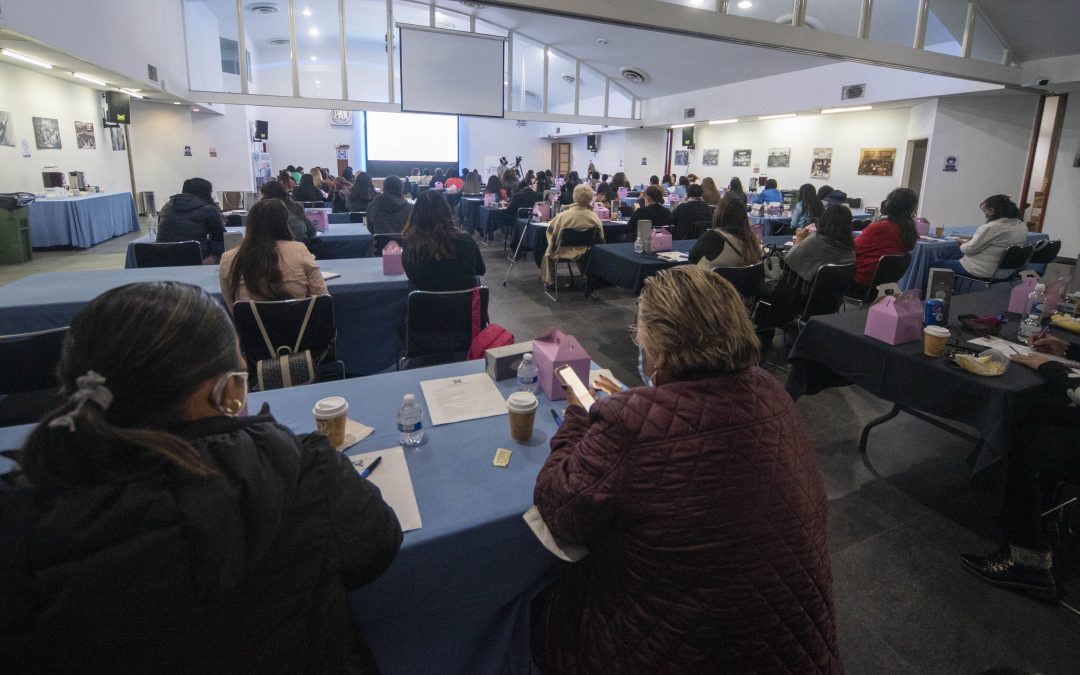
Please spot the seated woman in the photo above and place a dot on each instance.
(771, 194)
(339, 196)
(729, 242)
(808, 209)
(388, 213)
(472, 184)
(268, 264)
(710, 194)
(192, 215)
(577, 217)
(308, 192)
(735, 190)
(453, 180)
(494, 187)
(199, 538)
(695, 564)
(604, 195)
(362, 193)
(980, 255)
(302, 229)
(437, 255)
(652, 209)
(566, 192)
(680, 189)
(892, 235)
(692, 217)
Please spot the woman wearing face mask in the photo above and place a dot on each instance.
(694, 560)
(154, 527)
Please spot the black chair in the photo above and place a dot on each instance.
(573, 239)
(826, 292)
(378, 241)
(439, 327)
(626, 210)
(1014, 259)
(283, 320)
(747, 280)
(1044, 252)
(28, 378)
(888, 271)
(357, 216)
(173, 254)
(854, 202)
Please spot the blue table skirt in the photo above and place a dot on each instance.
(926, 253)
(368, 306)
(534, 237)
(469, 213)
(82, 222)
(456, 598)
(489, 220)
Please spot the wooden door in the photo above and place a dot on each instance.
(560, 158)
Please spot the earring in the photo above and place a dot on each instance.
(233, 407)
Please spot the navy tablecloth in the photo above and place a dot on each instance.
(456, 598)
(490, 220)
(618, 265)
(368, 306)
(341, 240)
(534, 236)
(926, 253)
(469, 213)
(83, 221)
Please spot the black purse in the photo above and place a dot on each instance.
(291, 366)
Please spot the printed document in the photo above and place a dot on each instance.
(457, 399)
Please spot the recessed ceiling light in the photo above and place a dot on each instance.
(745, 4)
(132, 92)
(314, 58)
(314, 32)
(731, 121)
(24, 57)
(176, 102)
(854, 108)
(680, 126)
(601, 41)
(776, 117)
(306, 12)
(87, 78)
(317, 82)
(194, 110)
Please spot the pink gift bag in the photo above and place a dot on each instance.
(896, 320)
(1018, 298)
(922, 226)
(659, 240)
(438, 186)
(391, 259)
(542, 211)
(602, 212)
(319, 218)
(489, 199)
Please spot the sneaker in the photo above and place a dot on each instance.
(1001, 568)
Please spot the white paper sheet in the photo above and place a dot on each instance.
(329, 275)
(674, 256)
(1007, 348)
(457, 399)
(354, 433)
(568, 552)
(594, 375)
(393, 480)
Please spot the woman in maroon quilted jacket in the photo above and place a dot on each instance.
(700, 503)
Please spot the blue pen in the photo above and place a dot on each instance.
(558, 420)
(367, 472)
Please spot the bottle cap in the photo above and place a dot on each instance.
(408, 398)
(528, 356)
(1040, 287)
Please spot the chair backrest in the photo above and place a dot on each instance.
(854, 202)
(172, 254)
(232, 240)
(526, 213)
(357, 216)
(1015, 257)
(30, 360)
(746, 280)
(379, 241)
(441, 322)
(827, 290)
(283, 319)
(1045, 251)
(699, 228)
(889, 269)
(571, 237)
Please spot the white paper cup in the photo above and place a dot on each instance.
(522, 406)
(330, 415)
(934, 340)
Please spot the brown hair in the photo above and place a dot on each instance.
(731, 217)
(693, 324)
(430, 231)
(257, 262)
(654, 193)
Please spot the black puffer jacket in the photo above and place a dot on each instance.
(244, 571)
(387, 214)
(188, 218)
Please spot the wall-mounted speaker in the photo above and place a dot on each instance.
(262, 130)
(688, 138)
(118, 108)
(593, 142)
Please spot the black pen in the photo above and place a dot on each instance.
(558, 420)
(367, 472)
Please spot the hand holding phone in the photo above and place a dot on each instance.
(575, 387)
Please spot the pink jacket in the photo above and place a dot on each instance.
(299, 271)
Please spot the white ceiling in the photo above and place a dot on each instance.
(1036, 29)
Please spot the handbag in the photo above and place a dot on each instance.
(493, 335)
(773, 269)
(290, 367)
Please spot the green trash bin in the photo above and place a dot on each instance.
(15, 235)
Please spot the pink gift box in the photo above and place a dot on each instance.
(391, 259)
(1018, 298)
(660, 240)
(555, 349)
(542, 211)
(602, 212)
(319, 218)
(922, 226)
(895, 320)
(489, 199)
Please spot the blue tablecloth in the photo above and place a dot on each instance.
(489, 220)
(456, 598)
(82, 222)
(338, 218)
(926, 253)
(469, 213)
(368, 306)
(534, 238)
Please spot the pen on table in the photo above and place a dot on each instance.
(1016, 350)
(367, 472)
(558, 420)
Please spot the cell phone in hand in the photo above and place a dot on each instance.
(569, 378)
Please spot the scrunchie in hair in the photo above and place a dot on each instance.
(90, 389)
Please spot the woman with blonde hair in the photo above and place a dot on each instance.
(579, 216)
(699, 500)
(709, 192)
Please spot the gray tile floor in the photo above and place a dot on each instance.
(904, 604)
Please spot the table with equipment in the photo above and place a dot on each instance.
(82, 221)
(368, 305)
(456, 598)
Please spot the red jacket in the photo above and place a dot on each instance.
(704, 514)
(881, 237)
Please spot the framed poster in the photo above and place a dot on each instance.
(682, 158)
(779, 158)
(740, 158)
(84, 135)
(47, 133)
(7, 129)
(821, 166)
(877, 161)
(710, 158)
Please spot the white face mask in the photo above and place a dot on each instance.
(645, 379)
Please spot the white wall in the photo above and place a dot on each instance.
(26, 94)
(482, 136)
(990, 136)
(304, 137)
(1062, 219)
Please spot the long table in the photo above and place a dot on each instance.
(533, 236)
(368, 306)
(489, 219)
(456, 598)
(341, 240)
(82, 221)
(927, 252)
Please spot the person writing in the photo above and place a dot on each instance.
(437, 255)
(579, 217)
(694, 564)
(198, 539)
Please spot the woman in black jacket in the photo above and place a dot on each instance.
(438, 256)
(154, 527)
(652, 209)
(362, 193)
(192, 215)
(307, 192)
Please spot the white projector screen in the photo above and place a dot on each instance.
(445, 71)
(400, 137)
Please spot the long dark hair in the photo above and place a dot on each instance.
(1000, 206)
(363, 190)
(494, 187)
(430, 231)
(199, 187)
(735, 188)
(824, 191)
(730, 216)
(272, 189)
(835, 225)
(812, 206)
(257, 262)
(154, 344)
(899, 207)
(605, 192)
(619, 180)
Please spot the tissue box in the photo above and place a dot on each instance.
(501, 362)
(553, 350)
(320, 218)
(895, 321)
(659, 240)
(391, 259)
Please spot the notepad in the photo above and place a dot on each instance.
(394, 482)
(458, 399)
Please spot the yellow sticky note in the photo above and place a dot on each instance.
(502, 457)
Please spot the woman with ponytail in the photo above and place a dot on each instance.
(152, 525)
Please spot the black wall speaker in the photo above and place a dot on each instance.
(262, 130)
(688, 138)
(593, 142)
(119, 108)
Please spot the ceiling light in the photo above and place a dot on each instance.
(194, 110)
(306, 12)
(314, 32)
(24, 57)
(696, 2)
(745, 4)
(132, 92)
(854, 108)
(731, 121)
(314, 58)
(87, 78)
(176, 102)
(776, 117)
(680, 126)
(601, 41)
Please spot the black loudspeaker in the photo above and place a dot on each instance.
(262, 130)
(593, 142)
(688, 138)
(119, 108)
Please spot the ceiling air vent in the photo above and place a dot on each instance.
(852, 91)
(689, 113)
(569, 79)
(521, 123)
(474, 5)
(634, 75)
(262, 7)
(279, 41)
(151, 72)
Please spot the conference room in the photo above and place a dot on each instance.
(838, 435)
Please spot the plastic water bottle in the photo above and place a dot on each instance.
(639, 246)
(1036, 301)
(527, 375)
(410, 422)
(1029, 328)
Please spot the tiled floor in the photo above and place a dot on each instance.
(904, 604)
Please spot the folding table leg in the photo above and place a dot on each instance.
(865, 437)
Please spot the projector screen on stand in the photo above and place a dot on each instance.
(396, 143)
(452, 72)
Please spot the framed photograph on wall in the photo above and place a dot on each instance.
(682, 158)
(740, 158)
(710, 158)
(779, 158)
(821, 166)
(116, 137)
(47, 133)
(84, 135)
(7, 129)
(877, 161)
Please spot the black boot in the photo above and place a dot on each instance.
(1016, 568)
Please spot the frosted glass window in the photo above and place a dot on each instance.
(318, 48)
(406, 12)
(620, 103)
(592, 92)
(451, 20)
(833, 16)
(267, 37)
(210, 23)
(489, 28)
(986, 46)
(528, 83)
(561, 77)
(365, 50)
(894, 22)
(945, 26)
